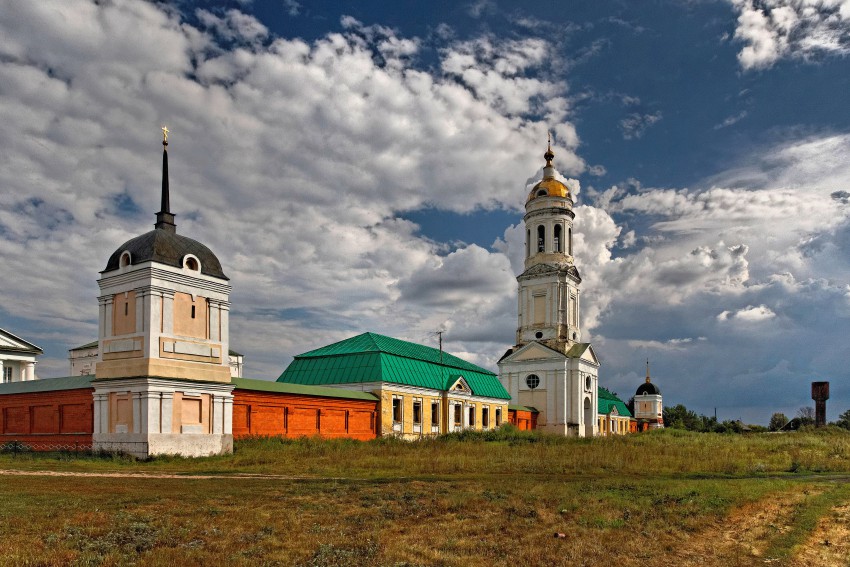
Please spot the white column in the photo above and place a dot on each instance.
(168, 313)
(106, 316)
(2, 373)
(140, 421)
(224, 311)
(167, 408)
(217, 417)
(101, 413)
(227, 425)
(142, 295)
(214, 325)
(151, 407)
(28, 371)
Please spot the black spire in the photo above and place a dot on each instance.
(164, 218)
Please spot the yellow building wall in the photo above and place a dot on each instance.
(184, 324)
(446, 418)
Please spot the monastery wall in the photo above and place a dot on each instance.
(48, 420)
(290, 415)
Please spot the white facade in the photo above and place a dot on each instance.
(549, 369)
(17, 358)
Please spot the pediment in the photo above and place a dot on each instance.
(583, 351)
(533, 351)
(458, 384)
(8, 341)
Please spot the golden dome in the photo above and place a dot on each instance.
(549, 186)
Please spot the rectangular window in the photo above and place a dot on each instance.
(7, 374)
(396, 410)
(539, 309)
(417, 412)
(485, 417)
(435, 414)
(126, 309)
(472, 416)
(458, 411)
(193, 312)
(498, 417)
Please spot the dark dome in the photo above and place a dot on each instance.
(648, 388)
(166, 247)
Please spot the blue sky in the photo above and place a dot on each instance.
(362, 166)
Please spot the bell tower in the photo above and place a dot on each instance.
(550, 369)
(548, 296)
(162, 378)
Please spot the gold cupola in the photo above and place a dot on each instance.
(549, 186)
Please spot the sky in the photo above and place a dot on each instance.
(362, 166)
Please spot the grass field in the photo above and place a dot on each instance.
(665, 498)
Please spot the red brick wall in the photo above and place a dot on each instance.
(45, 420)
(523, 420)
(289, 415)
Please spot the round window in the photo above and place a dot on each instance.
(532, 381)
(587, 383)
(538, 335)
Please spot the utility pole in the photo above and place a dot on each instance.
(440, 338)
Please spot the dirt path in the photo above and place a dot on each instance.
(8, 472)
(829, 544)
(742, 538)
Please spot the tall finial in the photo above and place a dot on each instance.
(647, 371)
(164, 218)
(549, 169)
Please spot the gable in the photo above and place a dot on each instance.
(10, 342)
(533, 351)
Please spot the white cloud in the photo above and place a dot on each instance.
(749, 314)
(292, 160)
(800, 29)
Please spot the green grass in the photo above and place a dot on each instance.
(494, 498)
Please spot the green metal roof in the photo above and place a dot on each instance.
(375, 358)
(299, 389)
(608, 401)
(46, 385)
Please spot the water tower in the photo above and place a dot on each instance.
(820, 394)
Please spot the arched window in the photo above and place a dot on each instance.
(528, 242)
(191, 263)
(125, 260)
(570, 240)
(556, 243)
(542, 193)
(541, 238)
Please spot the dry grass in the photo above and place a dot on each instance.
(639, 500)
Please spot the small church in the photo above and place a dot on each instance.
(161, 377)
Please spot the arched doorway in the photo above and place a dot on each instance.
(588, 418)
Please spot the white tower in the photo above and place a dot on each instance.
(550, 369)
(162, 379)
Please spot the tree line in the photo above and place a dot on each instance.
(680, 417)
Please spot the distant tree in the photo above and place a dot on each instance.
(806, 415)
(844, 420)
(777, 420)
(680, 417)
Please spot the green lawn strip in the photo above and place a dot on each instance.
(806, 517)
